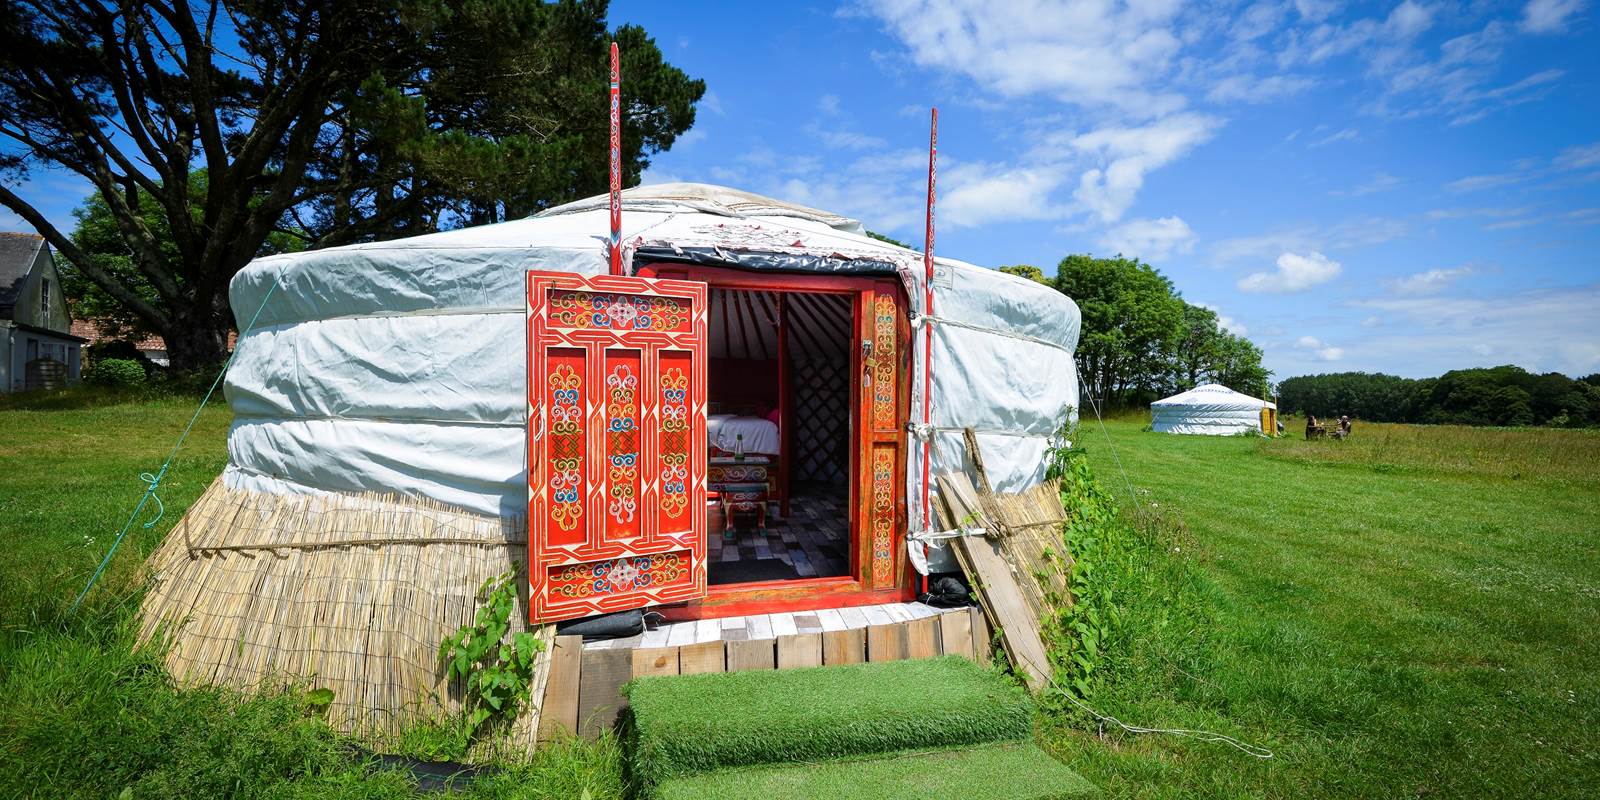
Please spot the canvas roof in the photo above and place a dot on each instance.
(1213, 396)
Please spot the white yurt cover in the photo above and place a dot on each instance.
(1208, 409)
(398, 367)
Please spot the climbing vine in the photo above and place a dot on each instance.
(1097, 541)
(497, 670)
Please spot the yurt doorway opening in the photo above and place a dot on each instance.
(807, 395)
(778, 430)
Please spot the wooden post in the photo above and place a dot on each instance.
(927, 327)
(703, 657)
(558, 716)
(800, 650)
(599, 689)
(616, 161)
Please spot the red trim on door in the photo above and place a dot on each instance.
(878, 569)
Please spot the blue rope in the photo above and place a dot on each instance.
(153, 482)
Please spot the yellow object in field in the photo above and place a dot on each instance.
(1269, 420)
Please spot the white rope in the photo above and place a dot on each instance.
(923, 319)
(957, 533)
(1132, 495)
(1247, 748)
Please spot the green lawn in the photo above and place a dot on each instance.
(1413, 613)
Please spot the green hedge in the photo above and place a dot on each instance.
(115, 372)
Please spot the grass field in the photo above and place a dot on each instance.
(1412, 613)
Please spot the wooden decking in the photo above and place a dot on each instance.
(582, 693)
(770, 626)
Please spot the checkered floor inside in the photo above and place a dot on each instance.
(813, 542)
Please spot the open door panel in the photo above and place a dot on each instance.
(616, 443)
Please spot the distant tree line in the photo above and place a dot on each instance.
(1141, 340)
(1506, 395)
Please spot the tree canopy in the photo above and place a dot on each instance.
(318, 122)
(1140, 340)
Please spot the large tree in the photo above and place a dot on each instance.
(326, 121)
(1132, 321)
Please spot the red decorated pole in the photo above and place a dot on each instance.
(927, 327)
(616, 162)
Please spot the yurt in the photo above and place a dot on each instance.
(1212, 409)
(413, 417)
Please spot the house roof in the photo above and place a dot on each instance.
(17, 253)
(92, 332)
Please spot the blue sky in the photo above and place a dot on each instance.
(1407, 188)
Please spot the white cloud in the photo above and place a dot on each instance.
(711, 102)
(1579, 157)
(1295, 273)
(1429, 282)
(828, 104)
(1125, 154)
(847, 140)
(1226, 322)
(1316, 10)
(1576, 158)
(653, 176)
(1474, 183)
(1092, 54)
(1345, 135)
(1409, 19)
(1152, 240)
(1381, 181)
(1320, 349)
(1548, 16)
(980, 194)
(1464, 213)
(1247, 88)
(1540, 330)
(689, 137)
(1351, 233)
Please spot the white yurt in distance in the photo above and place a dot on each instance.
(1212, 409)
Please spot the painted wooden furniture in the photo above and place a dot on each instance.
(744, 506)
(724, 470)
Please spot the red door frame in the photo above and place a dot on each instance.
(880, 441)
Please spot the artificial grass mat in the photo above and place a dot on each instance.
(1017, 771)
(699, 723)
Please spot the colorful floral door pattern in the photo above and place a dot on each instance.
(616, 443)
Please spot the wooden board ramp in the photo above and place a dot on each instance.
(583, 689)
(1019, 568)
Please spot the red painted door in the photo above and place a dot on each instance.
(616, 443)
